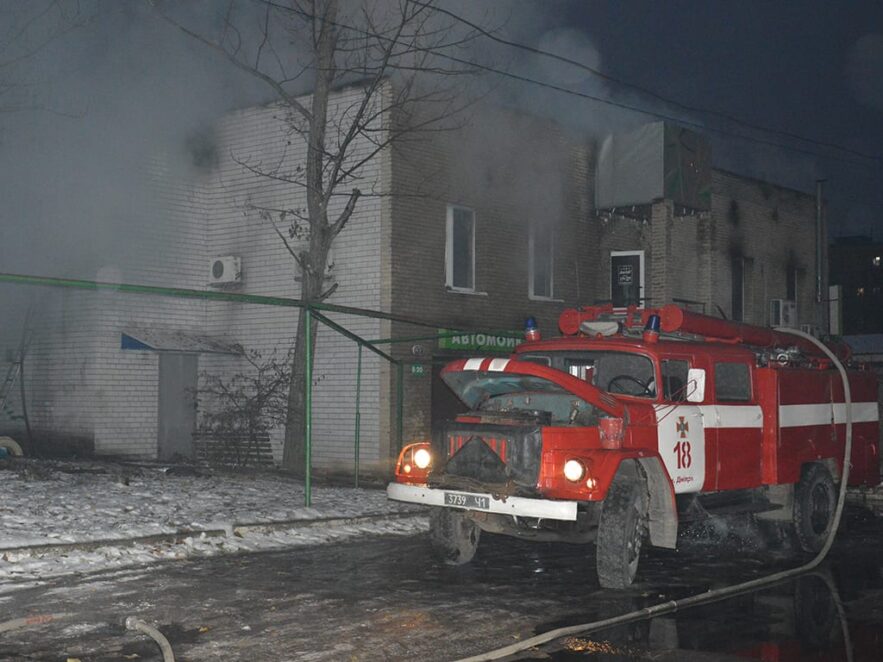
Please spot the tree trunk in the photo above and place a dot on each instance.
(312, 262)
(294, 448)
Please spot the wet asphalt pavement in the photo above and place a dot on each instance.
(383, 598)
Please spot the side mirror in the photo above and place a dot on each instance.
(696, 385)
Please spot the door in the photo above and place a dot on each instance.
(681, 437)
(626, 278)
(177, 405)
(685, 445)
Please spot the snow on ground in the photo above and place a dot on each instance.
(47, 504)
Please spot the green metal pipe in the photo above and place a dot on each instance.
(352, 336)
(184, 293)
(308, 407)
(212, 295)
(358, 411)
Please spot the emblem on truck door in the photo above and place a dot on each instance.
(683, 427)
(682, 445)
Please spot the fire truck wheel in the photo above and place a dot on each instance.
(621, 528)
(815, 500)
(454, 537)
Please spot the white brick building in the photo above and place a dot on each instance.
(86, 381)
(530, 243)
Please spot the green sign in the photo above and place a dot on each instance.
(478, 342)
(418, 370)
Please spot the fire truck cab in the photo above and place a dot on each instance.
(632, 421)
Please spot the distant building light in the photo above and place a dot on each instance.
(860, 291)
(877, 261)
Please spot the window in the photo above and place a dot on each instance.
(540, 262)
(460, 249)
(584, 370)
(626, 278)
(732, 382)
(791, 283)
(737, 266)
(674, 380)
(617, 372)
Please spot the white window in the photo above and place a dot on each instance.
(541, 263)
(460, 249)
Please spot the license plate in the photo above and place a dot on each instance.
(468, 501)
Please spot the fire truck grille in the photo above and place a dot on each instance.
(492, 454)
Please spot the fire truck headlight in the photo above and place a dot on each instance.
(422, 458)
(574, 470)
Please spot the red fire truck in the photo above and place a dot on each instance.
(629, 422)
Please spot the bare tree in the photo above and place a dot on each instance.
(400, 55)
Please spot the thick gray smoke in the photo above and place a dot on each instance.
(115, 92)
(100, 96)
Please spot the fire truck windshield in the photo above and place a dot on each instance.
(615, 372)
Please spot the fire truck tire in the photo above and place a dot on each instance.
(815, 500)
(454, 537)
(621, 528)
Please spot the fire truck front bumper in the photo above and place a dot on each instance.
(517, 506)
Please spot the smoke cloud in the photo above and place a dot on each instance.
(105, 92)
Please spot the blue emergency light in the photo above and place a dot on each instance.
(651, 329)
(531, 332)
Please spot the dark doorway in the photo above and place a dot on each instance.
(177, 404)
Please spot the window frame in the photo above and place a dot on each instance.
(666, 376)
(531, 269)
(641, 270)
(449, 249)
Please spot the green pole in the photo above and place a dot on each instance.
(308, 406)
(400, 394)
(358, 409)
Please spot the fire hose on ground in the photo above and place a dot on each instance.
(137, 624)
(714, 595)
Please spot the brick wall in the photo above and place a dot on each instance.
(80, 382)
(772, 227)
(690, 257)
(84, 384)
(233, 197)
(511, 170)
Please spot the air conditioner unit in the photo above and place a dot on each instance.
(225, 270)
(783, 312)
